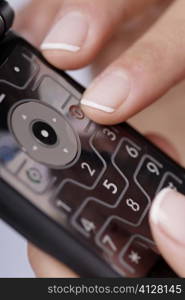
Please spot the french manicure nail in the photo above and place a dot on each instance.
(69, 33)
(168, 212)
(108, 92)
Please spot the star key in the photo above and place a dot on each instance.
(134, 257)
(138, 257)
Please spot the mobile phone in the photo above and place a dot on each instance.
(78, 190)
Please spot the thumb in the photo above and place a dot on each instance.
(167, 220)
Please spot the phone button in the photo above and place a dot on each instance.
(18, 70)
(36, 177)
(50, 90)
(69, 196)
(90, 217)
(148, 175)
(133, 206)
(105, 141)
(171, 181)
(89, 168)
(126, 157)
(112, 236)
(137, 256)
(111, 187)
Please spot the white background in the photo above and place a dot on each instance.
(13, 256)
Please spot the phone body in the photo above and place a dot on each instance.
(78, 190)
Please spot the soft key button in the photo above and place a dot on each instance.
(18, 70)
(36, 176)
(53, 93)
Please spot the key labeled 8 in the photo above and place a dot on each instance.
(133, 204)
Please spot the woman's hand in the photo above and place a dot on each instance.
(142, 73)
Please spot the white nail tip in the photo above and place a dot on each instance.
(156, 212)
(59, 46)
(97, 106)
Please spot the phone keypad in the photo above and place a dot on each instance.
(114, 214)
(106, 192)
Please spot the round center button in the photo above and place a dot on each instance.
(44, 134)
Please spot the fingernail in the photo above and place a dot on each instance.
(168, 213)
(108, 91)
(69, 33)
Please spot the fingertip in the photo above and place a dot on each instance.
(99, 117)
(167, 223)
(66, 38)
(64, 59)
(104, 100)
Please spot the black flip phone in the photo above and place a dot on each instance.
(78, 190)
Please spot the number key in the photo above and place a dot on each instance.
(112, 236)
(111, 187)
(89, 169)
(170, 180)
(89, 218)
(148, 175)
(133, 206)
(105, 141)
(126, 157)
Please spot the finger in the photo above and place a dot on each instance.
(143, 73)
(167, 219)
(34, 20)
(165, 145)
(45, 265)
(82, 27)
